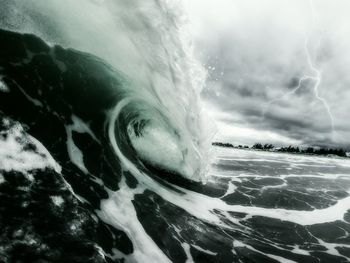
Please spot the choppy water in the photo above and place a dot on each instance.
(255, 207)
(103, 148)
(295, 207)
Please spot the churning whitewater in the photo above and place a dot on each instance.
(105, 150)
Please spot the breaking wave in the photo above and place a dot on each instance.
(104, 147)
(158, 116)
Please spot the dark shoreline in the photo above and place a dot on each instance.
(309, 151)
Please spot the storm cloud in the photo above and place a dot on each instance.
(277, 70)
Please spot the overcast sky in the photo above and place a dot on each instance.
(258, 53)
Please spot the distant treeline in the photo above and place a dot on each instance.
(229, 145)
(309, 150)
(290, 149)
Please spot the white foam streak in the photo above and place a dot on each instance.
(203, 207)
(74, 152)
(14, 157)
(237, 243)
(119, 211)
(3, 86)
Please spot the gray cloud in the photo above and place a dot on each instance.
(259, 58)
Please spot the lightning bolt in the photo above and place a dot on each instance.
(318, 72)
(316, 77)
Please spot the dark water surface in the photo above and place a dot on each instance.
(66, 196)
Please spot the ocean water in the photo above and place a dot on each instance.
(291, 208)
(105, 152)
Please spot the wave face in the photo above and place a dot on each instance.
(102, 145)
(109, 91)
(147, 44)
